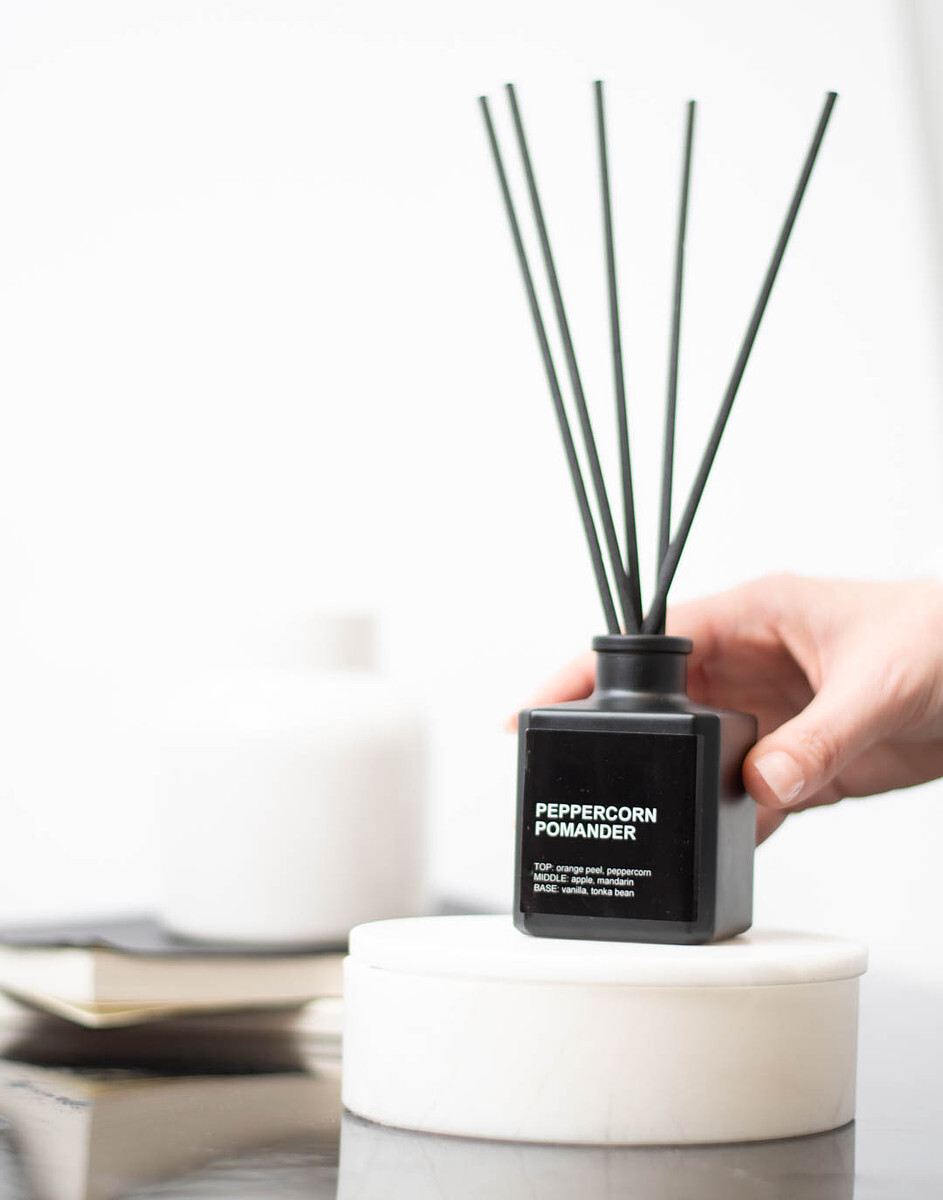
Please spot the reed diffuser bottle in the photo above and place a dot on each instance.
(633, 824)
(632, 820)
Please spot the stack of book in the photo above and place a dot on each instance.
(129, 972)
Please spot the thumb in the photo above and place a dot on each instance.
(805, 754)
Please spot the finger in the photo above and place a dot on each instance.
(767, 822)
(725, 623)
(804, 756)
(575, 681)
(700, 621)
(884, 767)
(715, 618)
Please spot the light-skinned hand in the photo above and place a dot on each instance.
(845, 679)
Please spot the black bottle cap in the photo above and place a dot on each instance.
(642, 643)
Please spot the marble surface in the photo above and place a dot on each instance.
(168, 1113)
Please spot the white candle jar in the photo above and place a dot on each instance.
(290, 795)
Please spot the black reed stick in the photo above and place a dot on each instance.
(667, 474)
(589, 442)
(670, 565)
(569, 448)
(628, 497)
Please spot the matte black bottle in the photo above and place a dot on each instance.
(633, 824)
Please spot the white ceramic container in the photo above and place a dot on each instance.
(290, 794)
(462, 1025)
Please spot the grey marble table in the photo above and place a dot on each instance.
(166, 1113)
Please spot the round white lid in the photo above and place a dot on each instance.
(490, 948)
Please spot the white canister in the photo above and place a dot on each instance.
(290, 794)
(463, 1025)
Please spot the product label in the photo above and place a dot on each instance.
(609, 824)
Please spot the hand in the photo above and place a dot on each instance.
(845, 679)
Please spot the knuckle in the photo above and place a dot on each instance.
(900, 695)
(819, 748)
(775, 595)
(778, 583)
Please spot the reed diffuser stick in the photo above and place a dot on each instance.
(625, 459)
(667, 474)
(589, 441)
(582, 499)
(669, 566)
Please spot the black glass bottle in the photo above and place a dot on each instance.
(633, 824)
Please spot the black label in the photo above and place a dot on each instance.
(609, 825)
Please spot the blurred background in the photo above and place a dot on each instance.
(265, 350)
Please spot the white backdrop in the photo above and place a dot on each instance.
(265, 349)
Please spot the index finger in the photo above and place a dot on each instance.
(575, 681)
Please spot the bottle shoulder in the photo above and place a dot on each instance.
(273, 699)
(675, 713)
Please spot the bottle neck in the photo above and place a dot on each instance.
(650, 664)
(313, 642)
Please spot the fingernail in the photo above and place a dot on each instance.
(782, 775)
